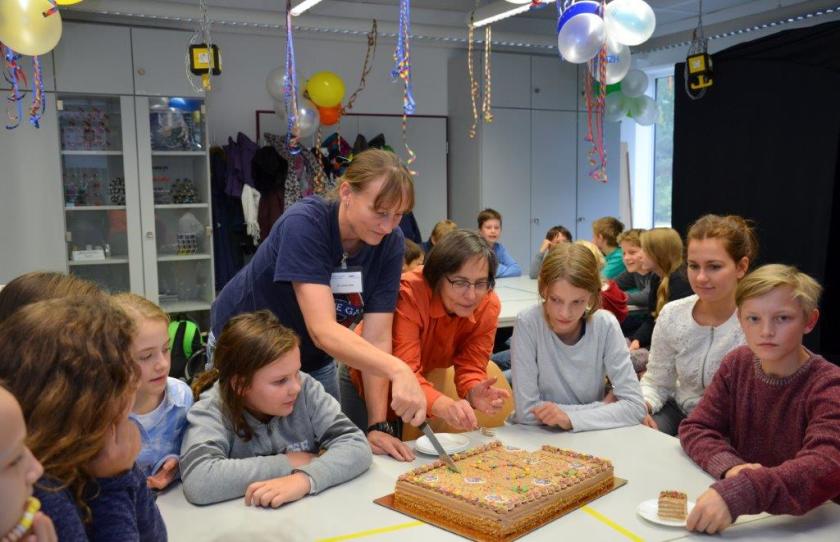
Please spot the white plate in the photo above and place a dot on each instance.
(451, 442)
(647, 509)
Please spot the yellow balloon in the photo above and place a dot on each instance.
(67, 2)
(25, 30)
(325, 89)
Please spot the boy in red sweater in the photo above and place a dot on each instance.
(768, 426)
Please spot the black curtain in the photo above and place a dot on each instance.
(764, 143)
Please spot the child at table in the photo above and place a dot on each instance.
(554, 235)
(564, 347)
(259, 429)
(68, 363)
(19, 470)
(768, 426)
(490, 229)
(413, 256)
(605, 232)
(160, 407)
(613, 298)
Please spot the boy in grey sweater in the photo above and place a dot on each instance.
(218, 464)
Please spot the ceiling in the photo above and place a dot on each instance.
(675, 18)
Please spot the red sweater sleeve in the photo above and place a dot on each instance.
(704, 434)
(806, 480)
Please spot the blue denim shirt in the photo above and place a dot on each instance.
(162, 429)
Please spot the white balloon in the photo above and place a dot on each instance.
(581, 38)
(615, 107)
(618, 62)
(308, 117)
(630, 22)
(635, 83)
(274, 83)
(648, 112)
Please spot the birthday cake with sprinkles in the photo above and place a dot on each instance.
(501, 491)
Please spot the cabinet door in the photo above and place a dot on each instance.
(511, 80)
(506, 178)
(554, 83)
(553, 173)
(597, 199)
(159, 62)
(31, 222)
(94, 59)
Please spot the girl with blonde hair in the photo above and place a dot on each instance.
(662, 256)
(565, 347)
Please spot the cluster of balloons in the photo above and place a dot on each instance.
(582, 32)
(324, 91)
(24, 28)
(628, 99)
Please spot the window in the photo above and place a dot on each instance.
(663, 151)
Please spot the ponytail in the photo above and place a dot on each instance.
(204, 381)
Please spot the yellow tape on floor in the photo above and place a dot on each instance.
(371, 532)
(611, 524)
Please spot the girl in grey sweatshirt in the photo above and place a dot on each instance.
(259, 431)
(564, 348)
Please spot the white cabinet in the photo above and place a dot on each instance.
(100, 191)
(93, 58)
(553, 83)
(31, 223)
(531, 162)
(159, 68)
(510, 75)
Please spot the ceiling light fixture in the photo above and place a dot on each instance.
(500, 10)
(299, 7)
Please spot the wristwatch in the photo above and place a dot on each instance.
(386, 427)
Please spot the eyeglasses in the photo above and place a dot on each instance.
(462, 285)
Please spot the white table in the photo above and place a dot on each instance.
(516, 294)
(649, 460)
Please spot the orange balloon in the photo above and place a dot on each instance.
(330, 115)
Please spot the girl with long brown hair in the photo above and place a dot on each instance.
(693, 334)
(260, 423)
(68, 362)
(563, 348)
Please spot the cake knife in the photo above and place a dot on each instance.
(438, 448)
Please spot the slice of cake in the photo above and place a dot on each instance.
(673, 505)
(501, 491)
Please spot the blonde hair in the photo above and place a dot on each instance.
(442, 228)
(576, 264)
(632, 236)
(599, 256)
(139, 308)
(806, 290)
(665, 247)
(609, 228)
(370, 166)
(737, 235)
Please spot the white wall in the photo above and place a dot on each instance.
(247, 59)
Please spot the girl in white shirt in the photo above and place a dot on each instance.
(693, 334)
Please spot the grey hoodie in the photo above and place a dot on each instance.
(218, 465)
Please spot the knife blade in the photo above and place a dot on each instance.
(438, 448)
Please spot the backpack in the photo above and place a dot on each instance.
(187, 348)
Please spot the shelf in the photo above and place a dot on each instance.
(186, 306)
(179, 153)
(96, 208)
(106, 261)
(92, 153)
(179, 258)
(181, 206)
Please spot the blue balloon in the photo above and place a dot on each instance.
(585, 6)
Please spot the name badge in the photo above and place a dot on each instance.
(346, 281)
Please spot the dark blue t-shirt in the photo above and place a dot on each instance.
(305, 246)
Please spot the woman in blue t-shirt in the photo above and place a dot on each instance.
(327, 265)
